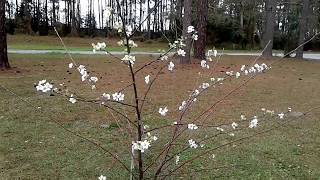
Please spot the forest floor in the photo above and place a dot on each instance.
(34, 147)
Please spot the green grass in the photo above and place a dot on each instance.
(34, 147)
(25, 42)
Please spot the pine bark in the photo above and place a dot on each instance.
(186, 23)
(303, 27)
(4, 63)
(202, 15)
(269, 27)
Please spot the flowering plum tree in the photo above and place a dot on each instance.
(158, 151)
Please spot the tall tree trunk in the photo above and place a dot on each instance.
(74, 30)
(54, 16)
(4, 63)
(303, 27)
(202, 15)
(270, 6)
(186, 23)
(178, 17)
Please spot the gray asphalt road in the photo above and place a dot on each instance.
(311, 56)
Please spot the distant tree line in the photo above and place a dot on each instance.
(231, 24)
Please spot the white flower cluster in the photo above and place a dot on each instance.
(141, 145)
(118, 97)
(257, 68)
(102, 177)
(204, 64)
(170, 66)
(192, 144)
(192, 127)
(129, 58)
(44, 86)
(254, 122)
(234, 125)
(129, 30)
(183, 106)
(72, 99)
(164, 58)
(145, 143)
(132, 44)
(181, 52)
(118, 26)
(108, 11)
(192, 30)
(210, 53)
(99, 46)
(147, 79)
(83, 72)
(204, 85)
(163, 111)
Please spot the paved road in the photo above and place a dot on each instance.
(311, 56)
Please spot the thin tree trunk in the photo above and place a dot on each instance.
(4, 63)
(186, 23)
(303, 27)
(202, 14)
(269, 27)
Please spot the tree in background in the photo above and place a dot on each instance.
(4, 63)
(202, 14)
(303, 27)
(270, 8)
(187, 18)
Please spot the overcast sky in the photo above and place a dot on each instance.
(84, 8)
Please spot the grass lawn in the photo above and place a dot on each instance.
(34, 147)
(26, 42)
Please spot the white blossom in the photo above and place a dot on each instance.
(94, 79)
(243, 67)
(243, 117)
(254, 122)
(234, 125)
(190, 29)
(170, 66)
(164, 58)
(177, 159)
(238, 75)
(72, 99)
(289, 109)
(192, 144)
(212, 79)
(83, 71)
(44, 86)
(129, 30)
(220, 129)
(70, 65)
(141, 145)
(183, 105)
(108, 11)
(281, 115)
(163, 111)
(102, 177)
(205, 85)
(118, 26)
(181, 52)
(99, 46)
(132, 44)
(147, 79)
(118, 97)
(195, 37)
(204, 64)
(192, 127)
(107, 96)
(129, 58)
